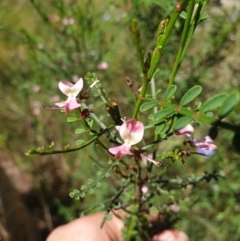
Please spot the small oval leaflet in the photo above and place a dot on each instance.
(91, 191)
(182, 122)
(162, 114)
(99, 173)
(83, 187)
(228, 104)
(213, 103)
(79, 131)
(107, 174)
(190, 95)
(148, 105)
(72, 119)
(109, 217)
(80, 142)
(170, 92)
(89, 181)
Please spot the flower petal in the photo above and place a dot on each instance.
(131, 131)
(69, 89)
(71, 104)
(120, 151)
(187, 131)
(206, 144)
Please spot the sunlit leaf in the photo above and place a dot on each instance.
(108, 217)
(190, 95)
(83, 187)
(159, 129)
(72, 119)
(80, 142)
(79, 131)
(228, 104)
(162, 114)
(148, 105)
(91, 191)
(170, 92)
(89, 181)
(213, 103)
(182, 122)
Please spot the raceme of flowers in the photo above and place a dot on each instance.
(205, 147)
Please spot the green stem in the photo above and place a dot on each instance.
(161, 41)
(34, 152)
(184, 38)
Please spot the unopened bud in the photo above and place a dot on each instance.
(129, 82)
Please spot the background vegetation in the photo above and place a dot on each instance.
(45, 42)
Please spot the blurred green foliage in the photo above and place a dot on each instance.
(43, 42)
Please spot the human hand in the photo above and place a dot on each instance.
(87, 229)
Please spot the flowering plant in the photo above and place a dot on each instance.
(132, 144)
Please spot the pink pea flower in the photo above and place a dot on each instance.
(187, 131)
(174, 207)
(103, 65)
(205, 147)
(68, 21)
(131, 131)
(144, 189)
(71, 91)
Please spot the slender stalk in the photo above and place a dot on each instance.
(157, 53)
(184, 38)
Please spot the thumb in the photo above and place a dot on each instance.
(170, 235)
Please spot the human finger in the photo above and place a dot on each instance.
(88, 229)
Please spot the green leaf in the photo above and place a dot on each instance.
(160, 128)
(90, 181)
(80, 142)
(98, 184)
(109, 217)
(91, 191)
(82, 195)
(213, 103)
(75, 191)
(66, 147)
(72, 119)
(99, 173)
(79, 131)
(182, 122)
(90, 122)
(170, 92)
(183, 15)
(190, 95)
(83, 187)
(228, 104)
(107, 174)
(162, 114)
(148, 105)
(51, 146)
